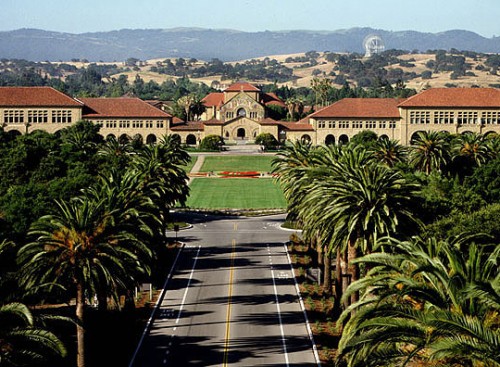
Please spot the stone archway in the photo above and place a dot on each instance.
(343, 139)
(124, 139)
(306, 138)
(330, 139)
(241, 133)
(191, 139)
(151, 139)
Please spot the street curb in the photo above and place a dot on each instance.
(301, 301)
(157, 305)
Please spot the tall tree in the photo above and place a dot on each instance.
(429, 151)
(427, 301)
(22, 341)
(88, 244)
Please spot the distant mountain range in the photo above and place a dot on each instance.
(226, 45)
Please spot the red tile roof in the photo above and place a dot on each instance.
(242, 87)
(272, 99)
(213, 121)
(296, 126)
(120, 107)
(189, 126)
(35, 97)
(361, 108)
(213, 99)
(455, 97)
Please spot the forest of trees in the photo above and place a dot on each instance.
(415, 239)
(80, 219)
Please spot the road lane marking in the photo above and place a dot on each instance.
(304, 312)
(235, 226)
(188, 284)
(228, 314)
(157, 306)
(283, 341)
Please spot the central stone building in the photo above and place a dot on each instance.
(239, 112)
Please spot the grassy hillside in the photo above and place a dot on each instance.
(304, 69)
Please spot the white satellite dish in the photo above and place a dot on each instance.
(373, 45)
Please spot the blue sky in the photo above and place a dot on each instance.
(480, 16)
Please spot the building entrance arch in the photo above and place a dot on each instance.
(241, 133)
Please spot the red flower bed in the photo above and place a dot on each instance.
(229, 174)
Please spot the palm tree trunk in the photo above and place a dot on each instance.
(327, 282)
(353, 269)
(80, 331)
(344, 271)
(319, 252)
(338, 280)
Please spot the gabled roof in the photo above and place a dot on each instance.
(213, 99)
(242, 87)
(296, 126)
(188, 126)
(120, 107)
(361, 108)
(35, 97)
(455, 97)
(272, 99)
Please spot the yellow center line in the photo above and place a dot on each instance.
(228, 314)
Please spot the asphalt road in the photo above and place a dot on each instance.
(232, 300)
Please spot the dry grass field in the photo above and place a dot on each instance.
(304, 75)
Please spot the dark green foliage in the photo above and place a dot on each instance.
(483, 221)
(267, 140)
(212, 143)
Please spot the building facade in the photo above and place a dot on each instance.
(242, 112)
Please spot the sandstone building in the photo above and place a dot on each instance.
(241, 112)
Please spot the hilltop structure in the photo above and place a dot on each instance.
(241, 112)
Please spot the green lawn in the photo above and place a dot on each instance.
(190, 165)
(259, 163)
(235, 193)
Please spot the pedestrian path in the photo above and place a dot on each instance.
(197, 166)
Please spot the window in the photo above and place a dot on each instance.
(357, 124)
(420, 117)
(321, 124)
(38, 116)
(491, 118)
(253, 115)
(467, 117)
(343, 124)
(13, 117)
(443, 117)
(331, 124)
(392, 124)
(229, 115)
(159, 124)
(382, 124)
(61, 117)
(371, 124)
(149, 124)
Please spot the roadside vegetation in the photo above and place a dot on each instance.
(82, 222)
(410, 277)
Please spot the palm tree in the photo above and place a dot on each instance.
(91, 243)
(389, 152)
(427, 301)
(472, 148)
(291, 103)
(22, 342)
(186, 102)
(356, 202)
(429, 151)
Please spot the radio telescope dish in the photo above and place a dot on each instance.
(373, 45)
